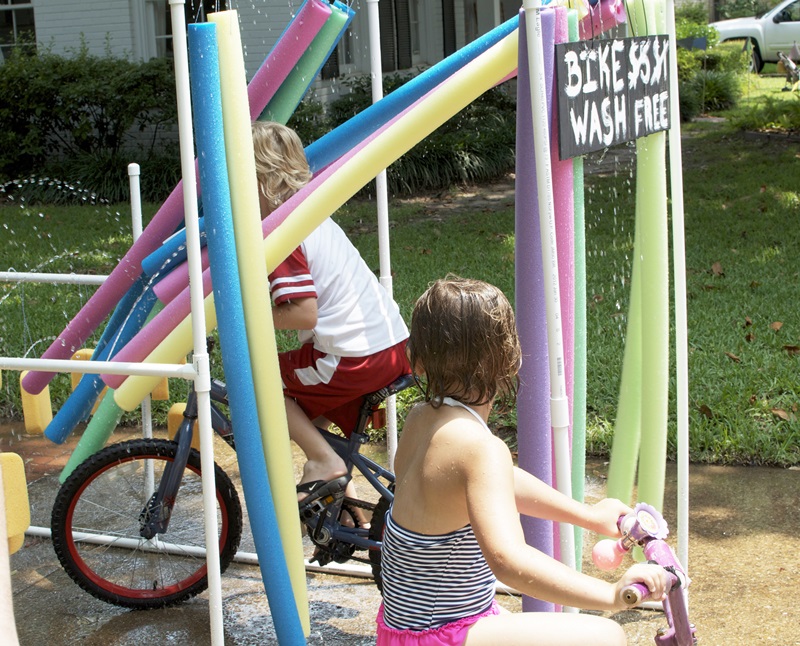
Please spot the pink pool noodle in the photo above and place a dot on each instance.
(605, 15)
(138, 348)
(279, 63)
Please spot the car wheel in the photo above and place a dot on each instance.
(756, 64)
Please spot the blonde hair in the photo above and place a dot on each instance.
(281, 165)
(464, 339)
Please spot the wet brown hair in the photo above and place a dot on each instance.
(281, 165)
(464, 339)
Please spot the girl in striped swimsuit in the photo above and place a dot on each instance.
(454, 525)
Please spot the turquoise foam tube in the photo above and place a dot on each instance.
(337, 142)
(206, 95)
(287, 97)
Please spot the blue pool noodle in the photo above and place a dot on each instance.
(127, 319)
(336, 143)
(207, 101)
(172, 253)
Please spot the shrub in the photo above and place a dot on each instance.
(741, 8)
(78, 116)
(769, 114)
(717, 90)
(475, 145)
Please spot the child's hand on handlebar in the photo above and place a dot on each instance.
(654, 577)
(605, 515)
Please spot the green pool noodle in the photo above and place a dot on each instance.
(627, 426)
(96, 434)
(651, 198)
(286, 99)
(579, 358)
(103, 422)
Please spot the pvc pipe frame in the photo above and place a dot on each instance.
(559, 405)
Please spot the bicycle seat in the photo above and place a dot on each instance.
(401, 383)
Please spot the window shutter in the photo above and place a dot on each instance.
(449, 26)
(403, 23)
(388, 50)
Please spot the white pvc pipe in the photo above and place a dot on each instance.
(136, 200)
(382, 200)
(37, 277)
(679, 278)
(176, 370)
(202, 382)
(559, 405)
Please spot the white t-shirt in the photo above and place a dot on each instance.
(356, 317)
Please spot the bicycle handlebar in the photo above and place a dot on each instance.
(646, 528)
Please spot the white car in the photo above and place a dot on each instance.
(775, 31)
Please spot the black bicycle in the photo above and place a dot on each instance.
(127, 525)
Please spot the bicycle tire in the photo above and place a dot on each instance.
(105, 495)
(376, 534)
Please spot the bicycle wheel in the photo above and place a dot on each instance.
(376, 534)
(95, 527)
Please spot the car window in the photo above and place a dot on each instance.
(790, 13)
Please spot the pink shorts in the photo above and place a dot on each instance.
(452, 634)
(334, 387)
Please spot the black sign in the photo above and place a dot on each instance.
(610, 91)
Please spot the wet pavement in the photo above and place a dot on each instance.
(743, 561)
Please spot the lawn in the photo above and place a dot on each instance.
(741, 196)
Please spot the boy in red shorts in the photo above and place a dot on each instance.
(351, 333)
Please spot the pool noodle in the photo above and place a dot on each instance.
(281, 60)
(579, 370)
(601, 18)
(315, 205)
(95, 435)
(172, 252)
(534, 438)
(291, 92)
(78, 406)
(345, 137)
(256, 299)
(337, 142)
(82, 399)
(127, 396)
(563, 215)
(207, 102)
(651, 201)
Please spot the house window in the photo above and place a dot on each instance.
(16, 26)
(194, 10)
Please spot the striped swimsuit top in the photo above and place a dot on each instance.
(430, 581)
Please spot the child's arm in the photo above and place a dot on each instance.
(490, 482)
(537, 499)
(297, 314)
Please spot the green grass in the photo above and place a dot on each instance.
(742, 200)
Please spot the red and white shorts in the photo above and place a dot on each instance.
(334, 387)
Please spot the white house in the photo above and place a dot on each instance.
(413, 32)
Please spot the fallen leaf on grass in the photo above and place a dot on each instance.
(792, 349)
(706, 411)
(733, 357)
(779, 412)
(749, 337)
(716, 269)
(777, 325)
(747, 321)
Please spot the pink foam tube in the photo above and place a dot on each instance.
(605, 15)
(273, 72)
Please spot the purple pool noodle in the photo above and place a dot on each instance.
(207, 98)
(534, 436)
(281, 60)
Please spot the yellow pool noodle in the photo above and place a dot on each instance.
(15, 492)
(267, 380)
(36, 409)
